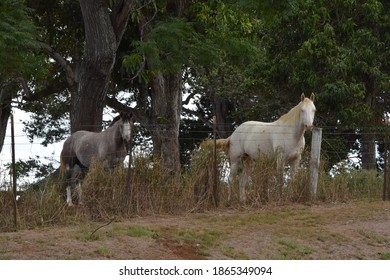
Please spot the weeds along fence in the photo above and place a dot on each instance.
(155, 191)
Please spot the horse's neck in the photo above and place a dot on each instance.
(113, 133)
(292, 128)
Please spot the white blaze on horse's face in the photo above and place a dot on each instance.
(126, 131)
(308, 111)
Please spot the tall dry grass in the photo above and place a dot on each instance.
(155, 191)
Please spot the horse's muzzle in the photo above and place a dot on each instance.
(309, 127)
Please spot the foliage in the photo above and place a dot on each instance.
(61, 35)
(25, 168)
(254, 57)
(336, 49)
(50, 123)
(212, 32)
(17, 39)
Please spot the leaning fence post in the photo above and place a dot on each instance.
(315, 159)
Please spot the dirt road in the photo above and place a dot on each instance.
(355, 230)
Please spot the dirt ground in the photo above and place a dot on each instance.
(354, 230)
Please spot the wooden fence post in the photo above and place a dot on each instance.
(129, 188)
(386, 172)
(315, 159)
(386, 175)
(14, 187)
(215, 165)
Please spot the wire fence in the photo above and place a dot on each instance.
(154, 190)
(332, 136)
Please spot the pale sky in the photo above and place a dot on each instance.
(25, 150)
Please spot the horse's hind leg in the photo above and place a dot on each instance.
(73, 182)
(232, 177)
(79, 193)
(242, 183)
(77, 174)
(68, 185)
(247, 165)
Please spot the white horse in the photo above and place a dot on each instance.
(283, 137)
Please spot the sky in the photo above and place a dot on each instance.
(25, 150)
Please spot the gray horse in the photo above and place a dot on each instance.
(109, 146)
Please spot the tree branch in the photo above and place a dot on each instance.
(138, 115)
(200, 116)
(188, 98)
(120, 17)
(69, 73)
(51, 88)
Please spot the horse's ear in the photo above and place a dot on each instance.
(302, 96)
(312, 96)
(126, 115)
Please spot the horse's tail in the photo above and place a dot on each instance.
(62, 166)
(222, 144)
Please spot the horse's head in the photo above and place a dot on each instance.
(308, 111)
(126, 125)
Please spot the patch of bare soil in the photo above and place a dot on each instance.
(358, 230)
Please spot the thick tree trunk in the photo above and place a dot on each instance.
(166, 106)
(369, 136)
(98, 61)
(224, 126)
(368, 151)
(166, 110)
(103, 32)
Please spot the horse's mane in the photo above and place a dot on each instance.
(114, 120)
(292, 116)
(124, 116)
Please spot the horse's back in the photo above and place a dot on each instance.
(252, 138)
(80, 147)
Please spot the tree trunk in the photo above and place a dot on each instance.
(5, 111)
(369, 137)
(98, 60)
(368, 151)
(224, 126)
(166, 110)
(104, 28)
(166, 103)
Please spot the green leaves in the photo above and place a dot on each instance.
(213, 33)
(17, 38)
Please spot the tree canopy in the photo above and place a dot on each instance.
(17, 58)
(239, 60)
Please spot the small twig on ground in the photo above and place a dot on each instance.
(112, 219)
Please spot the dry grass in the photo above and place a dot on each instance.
(154, 191)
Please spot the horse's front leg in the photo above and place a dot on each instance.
(294, 165)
